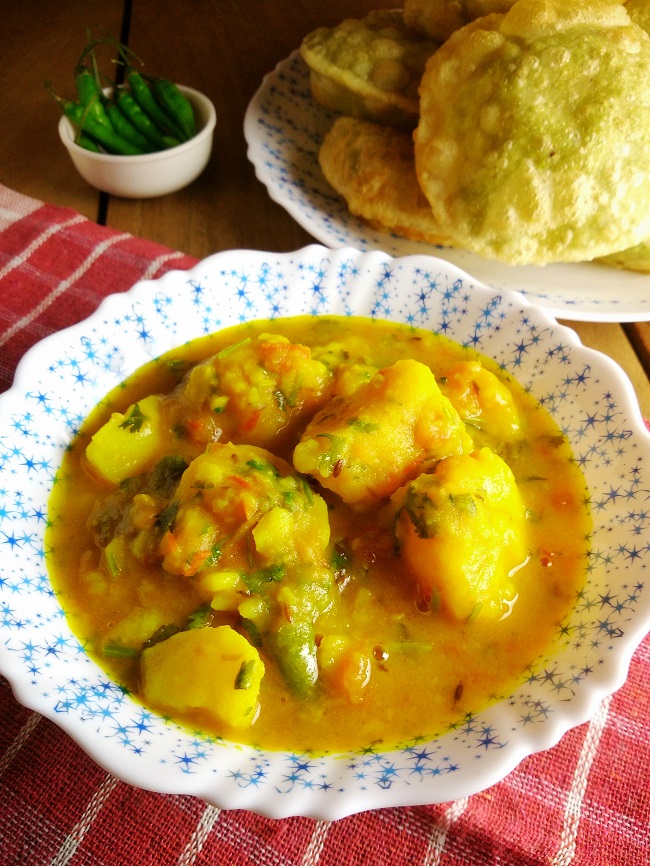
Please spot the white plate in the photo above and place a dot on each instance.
(284, 127)
(62, 378)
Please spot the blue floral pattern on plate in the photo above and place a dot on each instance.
(63, 377)
(284, 127)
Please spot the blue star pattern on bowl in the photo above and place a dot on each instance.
(62, 378)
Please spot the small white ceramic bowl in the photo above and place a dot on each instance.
(151, 174)
(62, 378)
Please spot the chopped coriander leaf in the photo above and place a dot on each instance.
(167, 516)
(256, 581)
(340, 559)
(135, 420)
(259, 465)
(215, 554)
(228, 349)
(463, 502)
(177, 365)
(328, 459)
(200, 618)
(364, 426)
(166, 473)
(309, 496)
(165, 631)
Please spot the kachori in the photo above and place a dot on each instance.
(533, 144)
(636, 258)
(639, 12)
(369, 68)
(373, 167)
(438, 19)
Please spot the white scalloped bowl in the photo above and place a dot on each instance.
(63, 377)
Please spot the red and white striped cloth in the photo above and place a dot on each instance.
(585, 802)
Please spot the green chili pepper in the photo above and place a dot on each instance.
(126, 129)
(244, 678)
(132, 111)
(90, 95)
(88, 142)
(105, 135)
(174, 101)
(145, 99)
(294, 648)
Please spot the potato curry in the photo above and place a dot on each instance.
(318, 533)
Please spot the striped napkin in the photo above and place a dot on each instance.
(585, 802)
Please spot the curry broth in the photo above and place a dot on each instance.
(423, 670)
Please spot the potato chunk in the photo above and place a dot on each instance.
(127, 444)
(215, 670)
(258, 391)
(482, 400)
(241, 511)
(462, 531)
(230, 491)
(366, 445)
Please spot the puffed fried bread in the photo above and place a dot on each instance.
(636, 258)
(533, 144)
(372, 167)
(639, 12)
(438, 19)
(368, 68)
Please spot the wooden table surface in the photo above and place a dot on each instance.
(223, 48)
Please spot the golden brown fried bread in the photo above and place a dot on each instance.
(639, 12)
(534, 138)
(636, 258)
(372, 166)
(368, 68)
(438, 19)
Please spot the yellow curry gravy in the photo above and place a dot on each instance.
(361, 631)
